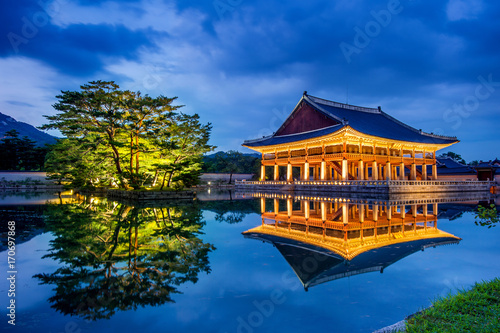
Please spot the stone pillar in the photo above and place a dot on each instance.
(307, 209)
(361, 170)
(306, 171)
(413, 172)
(388, 170)
(262, 172)
(435, 209)
(402, 171)
(276, 172)
(323, 211)
(344, 170)
(374, 170)
(323, 170)
(345, 213)
(289, 174)
(424, 172)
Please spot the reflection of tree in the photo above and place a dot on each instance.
(487, 216)
(117, 257)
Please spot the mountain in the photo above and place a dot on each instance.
(8, 123)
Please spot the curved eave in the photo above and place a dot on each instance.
(345, 131)
(349, 253)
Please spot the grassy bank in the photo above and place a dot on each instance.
(475, 310)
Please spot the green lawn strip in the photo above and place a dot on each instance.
(475, 310)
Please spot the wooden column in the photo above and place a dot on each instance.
(262, 172)
(307, 209)
(276, 172)
(402, 171)
(403, 211)
(289, 207)
(361, 213)
(374, 170)
(262, 205)
(375, 213)
(276, 206)
(388, 170)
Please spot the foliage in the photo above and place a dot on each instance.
(454, 156)
(231, 162)
(116, 257)
(122, 138)
(476, 310)
(487, 216)
(21, 153)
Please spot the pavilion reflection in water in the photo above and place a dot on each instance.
(324, 240)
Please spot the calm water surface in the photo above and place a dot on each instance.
(90, 265)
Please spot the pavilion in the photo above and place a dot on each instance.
(324, 240)
(322, 140)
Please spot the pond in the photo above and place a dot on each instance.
(238, 263)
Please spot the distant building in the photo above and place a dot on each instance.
(332, 141)
(489, 170)
(449, 169)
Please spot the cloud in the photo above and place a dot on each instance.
(28, 89)
(463, 9)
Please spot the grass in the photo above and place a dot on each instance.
(475, 310)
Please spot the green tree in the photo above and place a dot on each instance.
(115, 133)
(20, 153)
(181, 147)
(454, 156)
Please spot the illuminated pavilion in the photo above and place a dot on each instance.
(332, 141)
(328, 240)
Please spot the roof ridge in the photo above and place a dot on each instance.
(343, 105)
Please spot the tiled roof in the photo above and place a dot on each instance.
(371, 121)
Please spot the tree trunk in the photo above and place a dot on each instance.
(163, 182)
(170, 179)
(155, 178)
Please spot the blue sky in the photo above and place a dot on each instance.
(243, 65)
